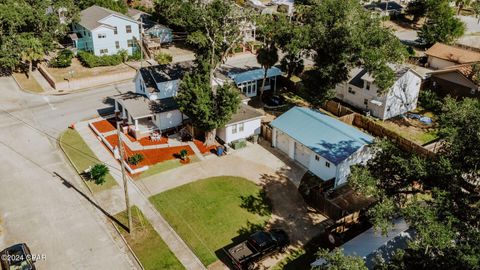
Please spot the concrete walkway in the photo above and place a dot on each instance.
(138, 198)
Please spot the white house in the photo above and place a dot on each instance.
(245, 123)
(361, 92)
(153, 107)
(105, 32)
(324, 145)
(441, 56)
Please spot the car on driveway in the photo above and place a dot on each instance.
(258, 245)
(17, 257)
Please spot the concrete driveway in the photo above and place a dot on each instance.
(53, 218)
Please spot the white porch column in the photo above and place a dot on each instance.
(116, 106)
(274, 137)
(124, 114)
(291, 148)
(136, 125)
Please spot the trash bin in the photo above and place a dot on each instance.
(219, 151)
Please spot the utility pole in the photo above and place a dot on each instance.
(124, 176)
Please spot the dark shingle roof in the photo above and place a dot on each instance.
(245, 112)
(164, 73)
(90, 17)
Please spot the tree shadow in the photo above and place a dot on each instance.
(67, 183)
(257, 204)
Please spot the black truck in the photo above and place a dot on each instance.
(258, 245)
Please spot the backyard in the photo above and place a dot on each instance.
(208, 213)
(82, 157)
(413, 129)
(148, 246)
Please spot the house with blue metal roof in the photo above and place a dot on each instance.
(324, 145)
(249, 82)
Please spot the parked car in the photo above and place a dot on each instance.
(258, 245)
(17, 257)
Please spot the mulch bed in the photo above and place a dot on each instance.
(103, 126)
(152, 156)
(204, 149)
(146, 141)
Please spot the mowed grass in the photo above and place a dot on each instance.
(82, 157)
(148, 246)
(207, 213)
(26, 83)
(165, 166)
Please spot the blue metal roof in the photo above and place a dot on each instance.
(253, 75)
(328, 137)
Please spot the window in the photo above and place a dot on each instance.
(103, 51)
(240, 127)
(350, 90)
(115, 30)
(117, 44)
(317, 158)
(128, 28)
(368, 86)
(327, 164)
(102, 35)
(472, 91)
(130, 43)
(365, 101)
(234, 129)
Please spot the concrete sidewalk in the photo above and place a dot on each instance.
(138, 198)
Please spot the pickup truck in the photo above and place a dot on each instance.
(258, 245)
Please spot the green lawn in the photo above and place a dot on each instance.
(207, 213)
(82, 157)
(26, 83)
(165, 166)
(148, 246)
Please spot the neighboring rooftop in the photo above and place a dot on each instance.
(90, 18)
(253, 75)
(139, 106)
(467, 70)
(358, 75)
(163, 73)
(371, 243)
(453, 54)
(245, 112)
(385, 6)
(324, 135)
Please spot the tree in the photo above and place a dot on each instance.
(343, 35)
(98, 173)
(441, 24)
(337, 260)
(29, 23)
(267, 56)
(293, 64)
(461, 4)
(163, 58)
(208, 108)
(214, 27)
(32, 50)
(417, 9)
(115, 5)
(476, 10)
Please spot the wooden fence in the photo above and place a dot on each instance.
(266, 132)
(375, 129)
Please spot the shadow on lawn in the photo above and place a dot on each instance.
(279, 198)
(69, 185)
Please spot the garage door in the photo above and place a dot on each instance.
(282, 142)
(302, 154)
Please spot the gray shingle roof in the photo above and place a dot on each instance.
(139, 106)
(164, 73)
(90, 17)
(245, 112)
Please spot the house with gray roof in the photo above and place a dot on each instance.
(324, 145)
(105, 32)
(153, 107)
(361, 92)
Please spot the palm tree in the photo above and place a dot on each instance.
(32, 50)
(267, 57)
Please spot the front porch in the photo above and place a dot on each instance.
(250, 82)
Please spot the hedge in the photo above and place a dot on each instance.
(90, 60)
(63, 59)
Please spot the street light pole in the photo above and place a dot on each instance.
(125, 184)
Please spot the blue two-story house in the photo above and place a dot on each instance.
(105, 32)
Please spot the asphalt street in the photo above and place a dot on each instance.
(57, 222)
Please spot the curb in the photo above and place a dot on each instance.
(68, 92)
(93, 197)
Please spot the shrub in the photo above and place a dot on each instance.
(136, 55)
(90, 60)
(429, 100)
(98, 173)
(183, 154)
(163, 58)
(63, 59)
(135, 159)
